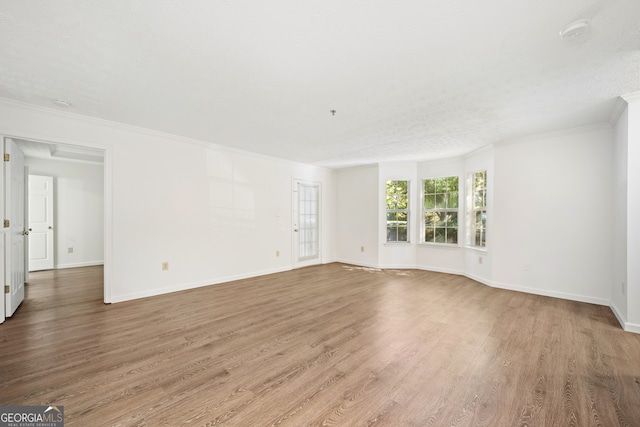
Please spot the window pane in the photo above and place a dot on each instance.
(480, 180)
(430, 219)
(452, 184)
(402, 234)
(429, 234)
(452, 200)
(397, 203)
(441, 204)
(477, 200)
(478, 209)
(452, 235)
(429, 202)
(429, 186)
(391, 201)
(452, 220)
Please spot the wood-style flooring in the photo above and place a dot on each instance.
(324, 345)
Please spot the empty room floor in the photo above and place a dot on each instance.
(323, 345)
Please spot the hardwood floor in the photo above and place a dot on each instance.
(325, 345)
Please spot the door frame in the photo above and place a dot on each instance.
(107, 202)
(295, 261)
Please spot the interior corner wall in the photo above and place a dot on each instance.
(552, 217)
(78, 210)
(213, 214)
(620, 171)
(357, 199)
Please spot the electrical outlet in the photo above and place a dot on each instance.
(479, 260)
(70, 250)
(361, 248)
(277, 253)
(165, 266)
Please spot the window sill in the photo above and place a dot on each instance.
(482, 249)
(440, 245)
(398, 243)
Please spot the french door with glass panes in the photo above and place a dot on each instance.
(306, 223)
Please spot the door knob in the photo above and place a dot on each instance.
(50, 228)
(25, 233)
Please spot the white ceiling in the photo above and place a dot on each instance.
(409, 80)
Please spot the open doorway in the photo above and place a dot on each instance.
(65, 211)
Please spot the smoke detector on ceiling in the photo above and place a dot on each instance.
(575, 29)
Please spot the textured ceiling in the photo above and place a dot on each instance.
(408, 80)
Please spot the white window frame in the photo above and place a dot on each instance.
(435, 209)
(475, 209)
(396, 211)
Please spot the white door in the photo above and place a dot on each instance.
(40, 222)
(306, 226)
(15, 237)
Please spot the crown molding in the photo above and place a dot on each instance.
(631, 97)
(617, 110)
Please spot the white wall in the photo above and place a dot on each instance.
(357, 196)
(213, 214)
(620, 170)
(552, 215)
(78, 210)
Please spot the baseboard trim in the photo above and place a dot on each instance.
(193, 285)
(632, 327)
(356, 263)
(440, 270)
(554, 294)
(479, 279)
(616, 313)
(626, 326)
(78, 264)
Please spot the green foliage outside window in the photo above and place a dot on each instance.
(440, 207)
(479, 218)
(397, 203)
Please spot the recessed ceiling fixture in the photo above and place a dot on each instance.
(333, 112)
(575, 29)
(61, 103)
